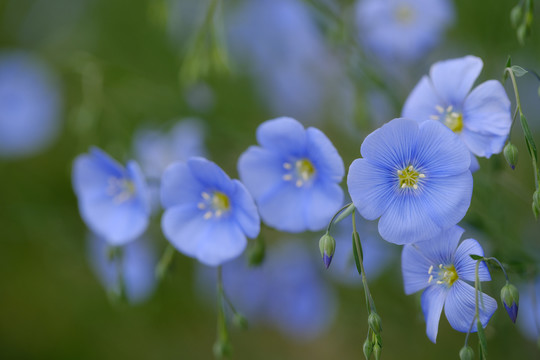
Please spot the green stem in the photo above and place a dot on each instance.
(222, 332)
(501, 266)
(369, 300)
(335, 216)
(165, 262)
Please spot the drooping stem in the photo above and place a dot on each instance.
(335, 216)
(501, 266)
(369, 300)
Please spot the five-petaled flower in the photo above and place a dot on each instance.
(113, 200)
(481, 117)
(415, 177)
(441, 267)
(207, 215)
(294, 175)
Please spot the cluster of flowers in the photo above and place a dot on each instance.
(414, 174)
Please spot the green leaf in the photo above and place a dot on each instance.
(481, 340)
(531, 146)
(355, 238)
(476, 257)
(345, 213)
(518, 70)
(515, 15)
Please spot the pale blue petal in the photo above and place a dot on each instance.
(465, 265)
(245, 211)
(284, 208)
(184, 227)
(321, 202)
(440, 152)
(91, 173)
(392, 146)
(283, 135)
(415, 268)
(210, 175)
(475, 166)
(460, 307)
(371, 188)
(433, 299)
(481, 144)
(420, 105)
(441, 249)
(178, 186)
(223, 241)
(324, 156)
(260, 170)
(454, 78)
(142, 192)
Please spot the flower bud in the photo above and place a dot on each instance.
(327, 245)
(515, 15)
(511, 154)
(368, 348)
(222, 350)
(374, 321)
(240, 321)
(510, 299)
(466, 353)
(377, 351)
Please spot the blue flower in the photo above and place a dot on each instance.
(481, 117)
(137, 265)
(293, 175)
(113, 200)
(528, 318)
(286, 292)
(415, 177)
(441, 267)
(30, 105)
(402, 30)
(207, 215)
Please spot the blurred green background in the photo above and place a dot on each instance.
(119, 67)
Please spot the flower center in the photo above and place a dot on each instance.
(216, 204)
(409, 177)
(452, 119)
(404, 14)
(120, 189)
(446, 275)
(300, 172)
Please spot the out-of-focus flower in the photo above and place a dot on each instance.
(30, 105)
(481, 117)
(441, 267)
(113, 200)
(402, 30)
(286, 292)
(294, 175)
(296, 73)
(415, 177)
(137, 265)
(207, 215)
(528, 319)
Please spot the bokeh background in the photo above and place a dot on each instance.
(114, 67)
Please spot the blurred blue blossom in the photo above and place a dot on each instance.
(481, 117)
(528, 319)
(113, 200)
(296, 72)
(137, 265)
(30, 105)
(294, 175)
(415, 177)
(441, 267)
(207, 215)
(286, 292)
(402, 30)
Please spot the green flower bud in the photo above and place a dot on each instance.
(368, 348)
(510, 300)
(240, 321)
(222, 350)
(377, 351)
(466, 353)
(327, 245)
(374, 321)
(515, 15)
(511, 155)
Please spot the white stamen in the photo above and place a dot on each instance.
(287, 177)
(434, 117)
(205, 195)
(440, 282)
(399, 172)
(440, 266)
(287, 166)
(430, 269)
(411, 168)
(218, 213)
(415, 186)
(439, 108)
(421, 176)
(299, 183)
(201, 205)
(449, 108)
(430, 279)
(207, 215)
(403, 185)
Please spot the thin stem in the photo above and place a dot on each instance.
(501, 266)
(165, 261)
(222, 333)
(335, 216)
(514, 84)
(369, 300)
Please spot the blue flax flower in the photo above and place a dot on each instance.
(415, 177)
(402, 30)
(293, 175)
(137, 265)
(481, 117)
(30, 105)
(113, 200)
(441, 267)
(528, 318)
(207, 215)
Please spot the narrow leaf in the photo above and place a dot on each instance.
(355, 238)
(476, 257)
(481, 340)
(518, 70)
(531, 146)
(345, 213)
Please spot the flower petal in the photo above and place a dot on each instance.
(370, 187)
(210, 175)
(245, 211)
(433, 299)
(460, 307)
(415, 268)
(260, 170)
(454, 78)
(224, 241)
(324, 156)
(465, 265)
(322, 201)
(283, 208)
(283, 135)
(392, 145)
(440, 250)
(179, 186)
(420, 105)
(91, 173)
